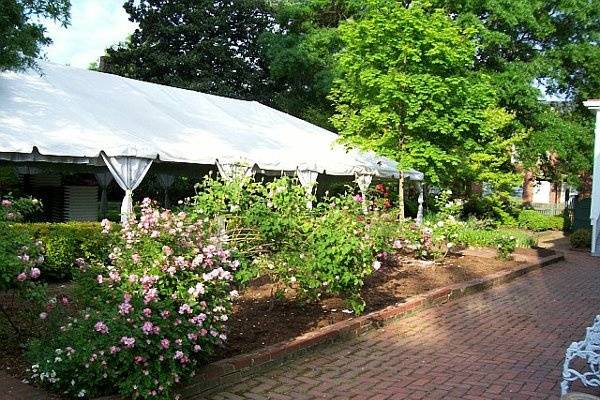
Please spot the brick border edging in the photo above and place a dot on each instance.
(232, 370)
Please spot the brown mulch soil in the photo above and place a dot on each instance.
(259, 319)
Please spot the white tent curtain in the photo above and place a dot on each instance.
(104, 179)
(420, 200)
(165, 181)
(308, 180)
(363, 180)
(128, 173)
(234, 170)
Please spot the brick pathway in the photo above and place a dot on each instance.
(505, 343)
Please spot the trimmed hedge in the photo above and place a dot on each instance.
(581, 238)
(490, 238)
(64, 242)
(537, 222)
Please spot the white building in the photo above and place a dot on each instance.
(594, 105)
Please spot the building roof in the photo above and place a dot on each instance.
(67, 114)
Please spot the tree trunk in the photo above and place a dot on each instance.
(401, 196)
(586, 185)
(528, 180)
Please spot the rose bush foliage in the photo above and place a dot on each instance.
(153, 313)
(327, 250)
(21, 209)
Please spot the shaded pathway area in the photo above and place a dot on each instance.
(504, 343)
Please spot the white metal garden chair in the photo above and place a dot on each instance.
(589, 350)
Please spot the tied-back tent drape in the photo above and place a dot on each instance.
(307, 176)
(75, 116)
(165, 181)
(128, 173)
(104, 179)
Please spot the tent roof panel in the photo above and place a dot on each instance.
(72, 112)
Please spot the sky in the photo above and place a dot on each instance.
(95, 25)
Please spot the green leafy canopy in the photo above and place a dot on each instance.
(22, 36)
(407, 89)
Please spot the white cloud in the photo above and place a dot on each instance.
(95, 25)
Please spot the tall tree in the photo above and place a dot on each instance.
(524, 46)
(531, 44)
(300, 54)
(206, 45)
(22, 36)
(406, 89)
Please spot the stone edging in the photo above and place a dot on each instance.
(234, 369)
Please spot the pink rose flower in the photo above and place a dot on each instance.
(151, 295)
(22, 277)
(128, 342)
(165, 343)
(125, 308)
(35, 273)
(101, 327)
(148, 327)
(180, 355)
(185, 309)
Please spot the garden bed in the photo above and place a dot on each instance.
(259, 320)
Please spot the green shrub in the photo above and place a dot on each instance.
(494, 207)
(64, 242)
(21, 209)
(327, 250)
(537, 222)
(506, 247)
(475, 237)
(337, 257)
(156, 311)
(581, 238)
(21, 260)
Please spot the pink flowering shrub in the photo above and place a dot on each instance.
(21, 209)
(21, 260)
(154, 312)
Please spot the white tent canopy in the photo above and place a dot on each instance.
(73, 115)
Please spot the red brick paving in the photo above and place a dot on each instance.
(504, 343)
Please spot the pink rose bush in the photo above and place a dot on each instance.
(21, 273)
(157, 309)
(14, 210)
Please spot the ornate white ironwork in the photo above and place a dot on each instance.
(589, 350)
